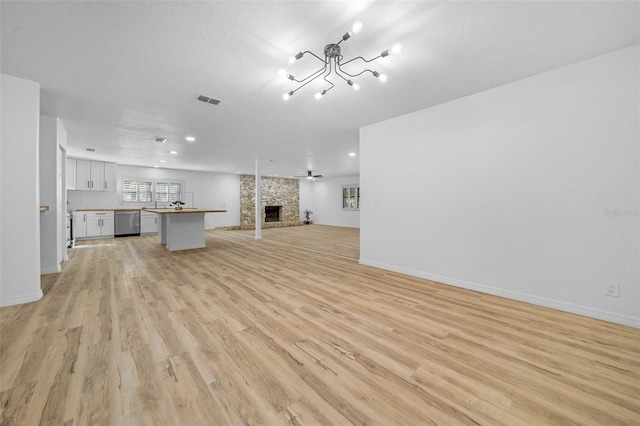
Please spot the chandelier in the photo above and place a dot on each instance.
(333, 63)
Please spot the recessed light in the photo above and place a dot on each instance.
(190, 138)
(352, 154)
(173, 152)
(163, 161)
(155, 167)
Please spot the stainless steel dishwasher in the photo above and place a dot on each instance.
(127, 223)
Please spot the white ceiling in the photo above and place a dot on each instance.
(119, 73)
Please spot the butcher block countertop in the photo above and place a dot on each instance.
(123, 209)
(165, 210)
(172, 210)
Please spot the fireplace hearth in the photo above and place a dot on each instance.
(272, 213)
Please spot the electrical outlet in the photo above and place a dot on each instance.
(611, 288)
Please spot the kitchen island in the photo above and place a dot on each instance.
(181, 229)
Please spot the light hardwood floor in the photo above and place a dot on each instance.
(291, 330)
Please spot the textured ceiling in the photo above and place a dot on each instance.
(118, 74)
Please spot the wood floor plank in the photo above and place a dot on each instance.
(291, 330)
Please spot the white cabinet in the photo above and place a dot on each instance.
(71, 173)
(85, 178)
(100, 224)
(83, 175)
(148, 223)
(108, 226)
(110, 177)
(80, 224)
(95, 175)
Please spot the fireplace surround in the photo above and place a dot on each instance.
(279, 192)
(272, 213)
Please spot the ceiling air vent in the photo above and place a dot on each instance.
(159, 140)
(209, 100)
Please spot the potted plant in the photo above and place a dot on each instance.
(307, 216)
(178, 204)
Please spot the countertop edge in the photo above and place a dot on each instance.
(151, 210)
(184, 211)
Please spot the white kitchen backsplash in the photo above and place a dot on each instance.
(93, 200)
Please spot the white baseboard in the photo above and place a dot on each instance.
(522, 297)
(23, 298)
(50, 270)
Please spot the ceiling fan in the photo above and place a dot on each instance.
(310, 175)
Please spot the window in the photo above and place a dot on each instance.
(129, 190)
(351, 197)
(145, 191)
(168, 192)
(136, 190)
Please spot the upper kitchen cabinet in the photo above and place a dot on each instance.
(110, 177)
(95, 176)
(89, 175)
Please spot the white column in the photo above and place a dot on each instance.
(258, 204)
(20, 188)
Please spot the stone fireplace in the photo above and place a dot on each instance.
(272, 213)
(280, 201)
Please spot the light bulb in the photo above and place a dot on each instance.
(395, 49)
(356, 86)
(286, 96)
(318, 96)
(293, 59)
(282, 73)
(356, 27)
(381, 77)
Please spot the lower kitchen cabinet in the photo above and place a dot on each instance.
(148, 223)
(79, 225)
(100, 224)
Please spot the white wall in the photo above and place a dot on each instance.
(49, 225)
(19, 201)
(529, 191)
(327, 203)
(210, 190)
(306, 197)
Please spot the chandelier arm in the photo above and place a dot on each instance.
(326, 79)
(311, 53)
(313, 75)
(353, 75)
(360, 57)
(309, 79)
(340, 75)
